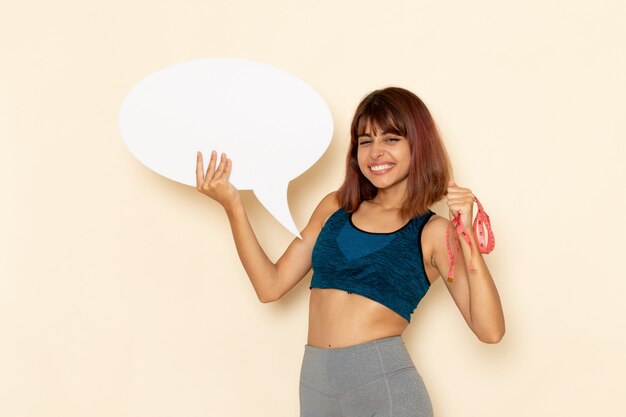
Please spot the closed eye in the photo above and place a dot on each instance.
(392, 140)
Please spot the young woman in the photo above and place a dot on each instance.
(375, 247)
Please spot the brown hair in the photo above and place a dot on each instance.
(401, 112)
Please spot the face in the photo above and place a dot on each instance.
(384, 158)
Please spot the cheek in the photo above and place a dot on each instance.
(403, 154)
(361, 157)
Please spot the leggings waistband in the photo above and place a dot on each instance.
(353, 348)
(339, 370)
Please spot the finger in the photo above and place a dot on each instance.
(459, 208)
(456, 196)
(452, 188)
(460, 197)
(452, 213)
(199, 170)
(210, 171)
(458, 192)
(228, 168)
(220, 167)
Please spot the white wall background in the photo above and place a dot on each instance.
(121, 293)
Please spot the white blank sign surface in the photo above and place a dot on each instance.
(271, 124)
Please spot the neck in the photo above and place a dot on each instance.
(390, 198)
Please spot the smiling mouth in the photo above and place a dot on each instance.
(381, 169)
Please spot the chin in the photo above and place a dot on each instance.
(381, 185)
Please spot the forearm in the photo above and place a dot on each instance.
(260, 269)
(486, 315)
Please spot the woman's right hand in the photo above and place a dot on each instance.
(215, 183)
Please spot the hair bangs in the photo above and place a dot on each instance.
(381, 119)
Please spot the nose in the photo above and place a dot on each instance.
(376, 150)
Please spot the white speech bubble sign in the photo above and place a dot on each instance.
(271, 124)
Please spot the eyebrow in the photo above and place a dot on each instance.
(384, 133)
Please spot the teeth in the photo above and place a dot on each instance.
(380, 167)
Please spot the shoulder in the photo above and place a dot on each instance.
(326, 207)
(329, 202)
(435, 224)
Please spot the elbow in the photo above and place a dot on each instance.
(268, 297)
(492, 338)
(266, 289)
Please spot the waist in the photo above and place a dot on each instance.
(339, 319)
(337, 371)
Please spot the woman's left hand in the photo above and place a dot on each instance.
(461, 200)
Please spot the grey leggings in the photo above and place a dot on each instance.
(370, 379)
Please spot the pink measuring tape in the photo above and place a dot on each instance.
(485, 244)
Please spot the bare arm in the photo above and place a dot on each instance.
(473, 290)
(270, 280)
